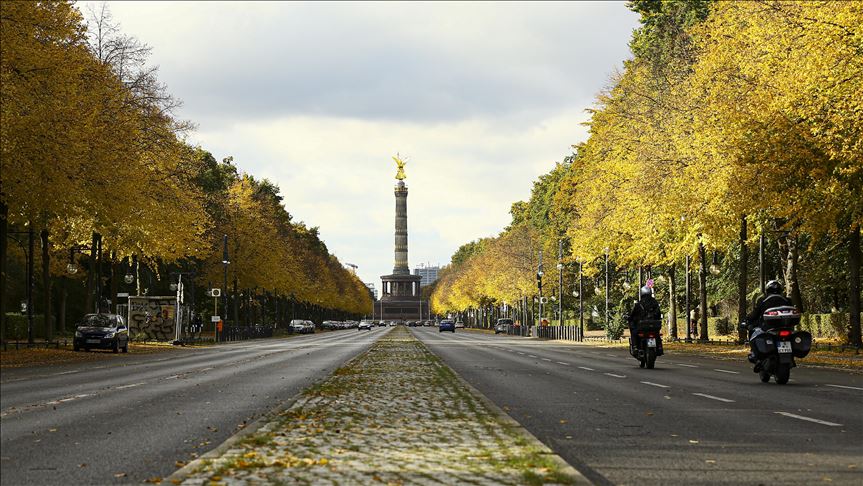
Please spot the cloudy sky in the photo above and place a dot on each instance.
(481, 97)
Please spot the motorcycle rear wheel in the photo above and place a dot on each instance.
(783, 373)
(651, 358)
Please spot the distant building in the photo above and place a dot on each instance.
(428, 273)
(373, 290)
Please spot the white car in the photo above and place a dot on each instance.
(459, 325)
(364, 326)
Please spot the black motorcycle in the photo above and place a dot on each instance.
(776, 346)
(646, 345)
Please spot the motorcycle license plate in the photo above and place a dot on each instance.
(784, 346)
(651, 342)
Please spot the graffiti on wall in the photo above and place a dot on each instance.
(152, 318)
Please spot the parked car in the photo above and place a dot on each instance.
(459, 324)
(502, 325)
(103, 331)
(364, 326)
(446, 325)
(301, 326)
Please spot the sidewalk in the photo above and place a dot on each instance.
(394, 415)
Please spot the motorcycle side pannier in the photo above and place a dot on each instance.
(765, 344)
(801, 343)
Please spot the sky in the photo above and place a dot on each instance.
(479, 98)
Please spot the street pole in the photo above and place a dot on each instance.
(607, 320)
(762, 272)
(225, 261)
(560, 281)
(539, 285)
(30, 281)
(687, 280)
(580, 301)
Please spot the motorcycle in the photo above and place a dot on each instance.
(646, 345)
(776, 345)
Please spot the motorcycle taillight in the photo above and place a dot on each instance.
(784, 333)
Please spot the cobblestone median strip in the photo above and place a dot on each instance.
(394, 415)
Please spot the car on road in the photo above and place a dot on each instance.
(301, 326)
(364, 326)
(459, 324)
(502, 325)
(102, 331)
(446, 325)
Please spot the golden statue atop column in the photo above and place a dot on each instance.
(400, 174)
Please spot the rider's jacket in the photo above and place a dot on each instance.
(765, 302)
(646, 308)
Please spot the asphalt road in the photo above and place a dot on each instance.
(132, 420)
(692, 420)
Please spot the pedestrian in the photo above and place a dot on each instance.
(693, 324)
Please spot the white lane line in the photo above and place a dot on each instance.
(810, 419)
(616, 376)
(521, 353)
(207, 368)
(562, 363)
(130, 386)
(172, 377)
(67, 372)
(546, 359)
(726, 400)
(64, 400)
(586, 368)
(847, 387)
(654, 384)
(612, 355)
(687, 365)
(726, 371)
(531, 356)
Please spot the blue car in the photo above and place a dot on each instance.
(446, 325)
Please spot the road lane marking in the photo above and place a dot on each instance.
(68, 372)
(726, 371)
(612, 355)
(130, 386)
(687, 365)
(810, 419)
(546, 359)
(70, 399)
(172, 377)
(531, 356)
(586, 368)
(726, 400)
(616, 376)
(207, 368)
(655, 384)
(521, 353)
(848, 387)
(562, 363)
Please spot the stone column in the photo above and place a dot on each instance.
(401, 240)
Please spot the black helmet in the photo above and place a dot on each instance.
(773, 287)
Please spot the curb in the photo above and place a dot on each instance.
(181, 474)
(565, 467)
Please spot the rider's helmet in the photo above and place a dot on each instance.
(645, 291)
(773, 287)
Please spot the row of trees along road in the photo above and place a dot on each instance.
(95, 163)
(733, 121)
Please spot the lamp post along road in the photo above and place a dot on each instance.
(560, 280)
(225, 261)
(539, 273)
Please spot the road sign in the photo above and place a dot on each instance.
(215, 292)
(215, 319)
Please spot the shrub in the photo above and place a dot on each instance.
(614, 329)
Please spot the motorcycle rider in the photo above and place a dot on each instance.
(646, 308)
(773, 297)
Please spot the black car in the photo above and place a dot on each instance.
(502, 325)
(102, 331)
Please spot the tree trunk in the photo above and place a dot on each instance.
(46, 286)
(4, 230)
(788, 251)
(742, 280)
(702, 291)
(64, 295)
(236, 304)
(672, 302)
(115, 273)
(854, 286)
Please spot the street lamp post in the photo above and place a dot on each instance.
(688, 282)
(225, 261)
(607, 319)
(539, 274)
(580, 300)
(560, 281)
